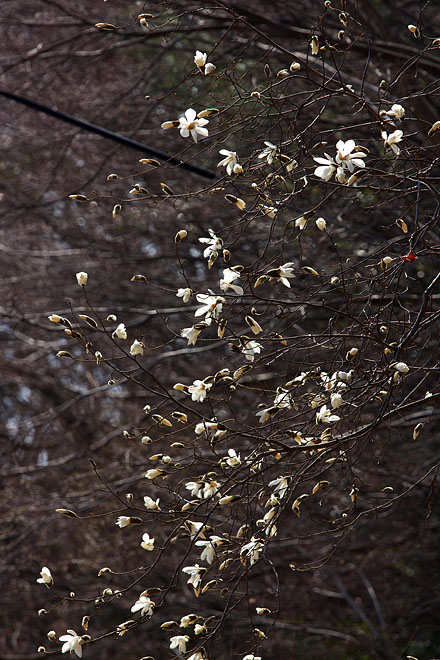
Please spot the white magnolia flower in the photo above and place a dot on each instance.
(209, 547)
(195, 529)
(200, 59)
(179, 642)
(195, 576)
(266, 413)
(120, 332)
(286, 272)
(326, 167)
(82, 278)
(229, 275)
(392, 139)
(214, 244)
(189, 124)
(314, 45)
(152, 505)
(137, 348)
(280, 485)
(397, 111)
(251, 551)
(198, 655)
(336, 400)
(196, 488)
(72, 643)
(144, 604)
(199, 390)
(123, 521)
(192, 333)
(324, 416)
(46, 576)
(211, 487)
(147, 542)
(152, 474)
(250, 349)
(269, 153)
(301, 222)
(202, 427)
(212, 305)
(188, 620)
(321, 224)
(401, 367)
(184, 293)
(251, 656)
(230, 160)
(234, 458)
(348, 156)
(209, 68)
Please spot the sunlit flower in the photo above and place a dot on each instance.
(82, 278)
(200, 59)
(120, 332)
(270, 153)
(251, 656)
(392, 139)
(179, 642)
(280, 485)
(250, 348)
(347, 155)
(152, 505)
(144, 604)
(185, 294)
(195, 529)
(72, 643)
(229, 275)
(214, 244)
(212, 305)
(314, 45)
(123, 521)
(199, 390)
(196, 488)
(336, 400)
(189, 124)
(192, 333)
(229, 161)
(46, 576)
(209, 68)
(251, 551)
(137, 348)
(209, 547)
(188, 620)
(210, 488)
(147, 542)
(401, 367)
(301, 222)
(198, 655)
(326, 169)
(195, 576)
(397, 111)
(324, 416)
(234, 458)
(266, 413)
(283, 273)
(153, 474)
(321, 224)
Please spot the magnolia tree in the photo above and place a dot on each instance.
(282, 397)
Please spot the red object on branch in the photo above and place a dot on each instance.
(409, 257)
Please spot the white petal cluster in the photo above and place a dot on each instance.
(348, 157)
(229, 161)
(269, 153)
(144, 605)
(201, 63)
(82, 278)
(226, 282)
(185, 294)
(190, 124)
(179, 642)
(198, 390)
(392, 139)
(212, 305)
(72, 643)
(250, 552)
(147, 542)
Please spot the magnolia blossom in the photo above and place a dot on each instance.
(209, 68)
(179, 642)
(209, 547)
(280, 485)
(82, 278)
(120, 332)
(392, 139)
(123, 521)
(144, 604)
(189, 124)
(195, 576)
(321, 224)
(250, 349)
(234, 458)
(251, 656)
(200, 59)
(230, 160)
(285, 273)
(192, 333)
(46, 576)
(185, 294)
(137, 348)
(251, 551)
(72, 643)
(198, 655)
(147, 542)
(152, 505)
(229, 275)
(302, 221)
(336, 400)
(401, 367)
(266, 413)
(211, 487)
(199, 390)
(269, 153)
(397, 111)
(196, 488)
(214, 244)
(195, 529)
(348, 157)
(324, 416)
(212, 305)
(188, 620)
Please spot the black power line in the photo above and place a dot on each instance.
(110, 135)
